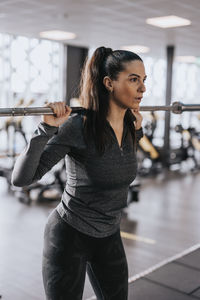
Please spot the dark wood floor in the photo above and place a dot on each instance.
(163, 223)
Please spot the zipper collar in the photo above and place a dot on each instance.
(114, 135)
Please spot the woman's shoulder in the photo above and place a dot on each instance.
(71, 130)
(73, 122)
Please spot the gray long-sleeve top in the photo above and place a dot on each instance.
(97, 186)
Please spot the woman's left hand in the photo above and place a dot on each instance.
(139, 118)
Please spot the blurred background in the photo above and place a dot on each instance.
(43, 46)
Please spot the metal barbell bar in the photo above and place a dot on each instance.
(175, 107)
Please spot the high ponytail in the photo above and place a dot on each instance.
(93, 94)
(94, 97)
(92, 86)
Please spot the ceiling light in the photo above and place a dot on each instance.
(57, 35)
(186, 59)
(168, 21)
(136, 48)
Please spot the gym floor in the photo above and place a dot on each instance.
(162, 224)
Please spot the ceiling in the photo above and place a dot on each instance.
(112, 23)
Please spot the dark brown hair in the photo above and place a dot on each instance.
(95, 97)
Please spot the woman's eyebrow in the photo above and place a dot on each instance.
(133, 74)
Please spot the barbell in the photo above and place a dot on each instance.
(175, 107)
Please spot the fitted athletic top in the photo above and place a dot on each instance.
(97, 186)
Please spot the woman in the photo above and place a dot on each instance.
(99, 147)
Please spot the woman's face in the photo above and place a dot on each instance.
(129, 87)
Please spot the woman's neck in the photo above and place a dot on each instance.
(116, 114)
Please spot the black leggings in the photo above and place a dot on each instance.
(68, 253)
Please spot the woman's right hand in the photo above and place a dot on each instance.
(61, 111)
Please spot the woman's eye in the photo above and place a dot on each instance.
(134, 79)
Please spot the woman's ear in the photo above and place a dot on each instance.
(108, 83)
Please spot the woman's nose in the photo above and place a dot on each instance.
(142, 88)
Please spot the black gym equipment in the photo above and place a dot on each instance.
(151, 158)
(191, 140)
(157, 156)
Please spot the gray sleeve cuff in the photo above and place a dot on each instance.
(139, 134)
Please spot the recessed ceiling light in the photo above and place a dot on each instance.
(168, 21)
(136, 48)
(57, 35)
(186, 59)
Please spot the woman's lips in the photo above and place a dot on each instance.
(138, 99)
